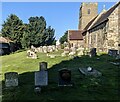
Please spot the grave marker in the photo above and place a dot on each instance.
(41, 78)
(90, 72)
(43, 65)
(11, 79)
(65, 77)
(112, 52)
(93, 52)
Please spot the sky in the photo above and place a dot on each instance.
(61, 16)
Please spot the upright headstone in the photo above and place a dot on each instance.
(93, 52)
(66, 50)
(43, 65)
(118, 57)
(65, 77)
(41, 78)
(11, 79)
(112, 52)
(58, 45)
(45, 49)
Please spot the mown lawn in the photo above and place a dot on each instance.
(105, 87)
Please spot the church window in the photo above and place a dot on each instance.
(88, 11)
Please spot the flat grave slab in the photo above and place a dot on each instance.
(93, 72)
(41, 78)
(115, 63)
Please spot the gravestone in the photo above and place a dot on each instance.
(31, 54)
(80, 53)
(41, 78)
(43, 65)
(11, 79)
(63, 54)
(112, 52)
(66, 50)
(52, 56)
(90, 72)
(45, 49)
(115, 63)
(65, 77)
(119, 51)
(92, 52)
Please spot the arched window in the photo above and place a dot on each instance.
(88, 11)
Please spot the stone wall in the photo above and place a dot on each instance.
(84, 17)
(119, 26)
(78, 43)
(96, 38)
(113, 35)
(106, 35)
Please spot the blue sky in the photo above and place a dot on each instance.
(59, 15)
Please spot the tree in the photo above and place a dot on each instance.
(64, 38)
(37, 34)
(13, 29)
(49, 36)
(33, 34)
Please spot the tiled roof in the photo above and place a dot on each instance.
(104, 16)
(89, 24)
(75, 35)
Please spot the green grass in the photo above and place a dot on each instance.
(85, 88)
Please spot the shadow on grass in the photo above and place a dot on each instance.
(85, 88)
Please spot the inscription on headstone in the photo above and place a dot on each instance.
(11, 79)
(41, 78)
(65, 77)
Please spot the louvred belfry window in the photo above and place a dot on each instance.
(88, 11)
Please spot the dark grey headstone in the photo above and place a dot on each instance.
(43, 65)
(112, 52)
(93, 52)
(11, 79)
(41, 78)
(92, 72)
(65, 77)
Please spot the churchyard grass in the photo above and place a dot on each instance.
(85, 87)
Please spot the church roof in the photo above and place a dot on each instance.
(88, 25)
(102, 17)
(105, 16)
(75, 35)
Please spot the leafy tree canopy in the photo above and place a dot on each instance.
(64, 38)
(13, 28)
(24, 35)
(37, 34)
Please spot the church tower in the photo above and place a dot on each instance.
(86, 13)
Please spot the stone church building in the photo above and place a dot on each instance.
(100, 31)
(75, 38)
